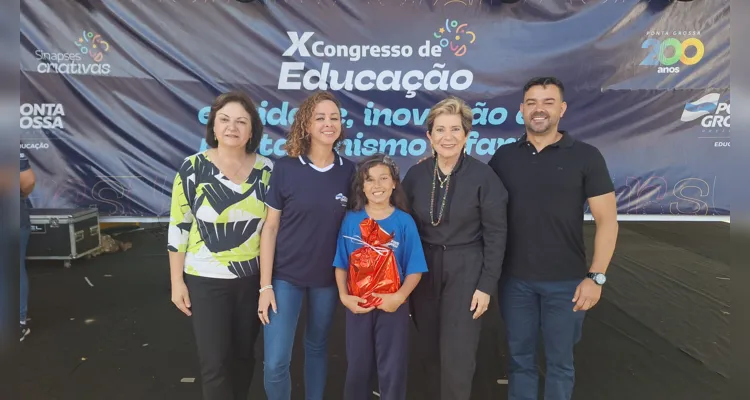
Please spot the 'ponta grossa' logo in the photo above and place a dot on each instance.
(455, 37)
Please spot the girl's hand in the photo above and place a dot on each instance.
(390, 302)
(267, 298)
(353, 304)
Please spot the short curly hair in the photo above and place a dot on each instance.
(298, 139)
(256, 125)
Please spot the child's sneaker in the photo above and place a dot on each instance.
(24, 331)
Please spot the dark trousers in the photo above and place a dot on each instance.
(527, 307)
(226, 326)
(379, 341)
(448, 336)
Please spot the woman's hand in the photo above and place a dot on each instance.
(180, 296)
(353, 304)
(267, 298)
(480, 302)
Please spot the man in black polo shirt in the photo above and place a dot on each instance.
(546, 283)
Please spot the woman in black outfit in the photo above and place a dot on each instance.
(459, 205)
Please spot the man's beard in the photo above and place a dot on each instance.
(545, 129)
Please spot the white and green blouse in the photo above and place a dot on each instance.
(217, 222)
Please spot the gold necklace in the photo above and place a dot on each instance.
(435, 178)
(233, 175)
(442, 181)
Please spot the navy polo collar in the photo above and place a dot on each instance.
(306, 161)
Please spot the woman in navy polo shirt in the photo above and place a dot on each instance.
(307, 200)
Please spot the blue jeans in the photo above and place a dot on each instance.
(278, 339)
(527, 306)
(24, 287)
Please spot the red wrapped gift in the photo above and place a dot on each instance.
(372, 267)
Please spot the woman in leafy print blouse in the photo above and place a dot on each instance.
(218, 210)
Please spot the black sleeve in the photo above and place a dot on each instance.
(596, 175)
(407, 185)
(493, 203)
(493, 162)
(411, 180)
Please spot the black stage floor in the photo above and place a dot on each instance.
(660, 332)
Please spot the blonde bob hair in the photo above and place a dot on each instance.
(451, 106)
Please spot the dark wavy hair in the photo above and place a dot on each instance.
(358, 199)
(256, 125)
(298, 138)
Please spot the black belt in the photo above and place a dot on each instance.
(449, 247)
(434, 253)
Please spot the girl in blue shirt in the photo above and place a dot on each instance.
(378, 336)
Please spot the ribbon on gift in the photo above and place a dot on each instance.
(381, 250)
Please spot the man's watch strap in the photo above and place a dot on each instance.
(597, 277)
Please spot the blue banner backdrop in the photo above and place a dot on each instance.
(114, 94)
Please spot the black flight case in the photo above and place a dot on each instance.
(63, 234)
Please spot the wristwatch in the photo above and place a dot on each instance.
(597, 277)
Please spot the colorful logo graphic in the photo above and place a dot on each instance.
(455, 32)
(668, 52)
(92, 44)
